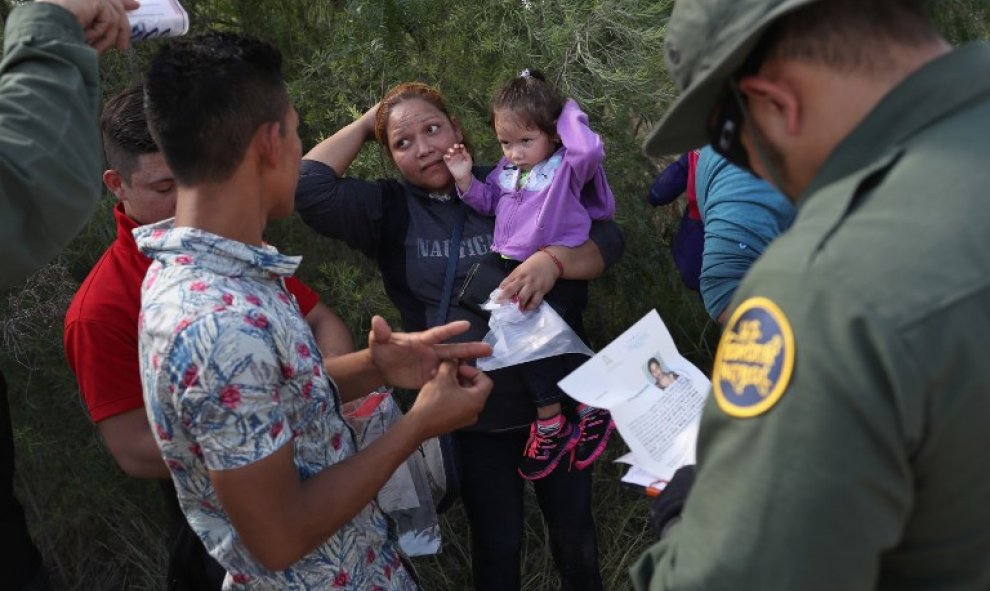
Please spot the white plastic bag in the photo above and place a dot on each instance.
(517, 337)
(407, 497)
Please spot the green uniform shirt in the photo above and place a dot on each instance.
(50, 155)
(858, 348)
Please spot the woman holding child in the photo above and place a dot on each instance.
(407, 225)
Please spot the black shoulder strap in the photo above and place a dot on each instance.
(452, 257)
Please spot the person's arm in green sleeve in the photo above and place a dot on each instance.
(50, 154)
(811, 493)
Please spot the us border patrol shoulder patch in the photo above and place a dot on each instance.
(755, 359)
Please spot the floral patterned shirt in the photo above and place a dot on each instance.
(231, 373)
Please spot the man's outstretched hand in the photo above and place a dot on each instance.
(451, 400)
(409, 360)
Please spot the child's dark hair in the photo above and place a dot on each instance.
(531, 98)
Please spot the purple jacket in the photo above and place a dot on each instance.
(560, 198)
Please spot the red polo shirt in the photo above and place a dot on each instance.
(101, 340)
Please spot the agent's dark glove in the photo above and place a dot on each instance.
(665, 510)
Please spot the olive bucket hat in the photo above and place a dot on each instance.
(707, 41)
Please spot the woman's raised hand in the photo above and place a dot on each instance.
(367, 122)
(340, 149)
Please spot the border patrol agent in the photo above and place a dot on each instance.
(847, 441)
(49, 183)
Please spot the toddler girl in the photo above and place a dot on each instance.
(545, 191)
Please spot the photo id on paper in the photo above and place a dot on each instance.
(654, 394)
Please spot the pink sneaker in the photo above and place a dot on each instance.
(596, 426)
(544, 451)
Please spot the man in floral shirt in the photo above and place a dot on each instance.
(239, 398)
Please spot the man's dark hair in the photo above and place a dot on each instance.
(532, 99)
(206, 96)
(125, 131)
(847, 35)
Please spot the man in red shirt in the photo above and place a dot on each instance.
(101, 325)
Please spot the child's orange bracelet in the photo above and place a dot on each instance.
(556, 261)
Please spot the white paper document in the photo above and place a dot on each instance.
(158, 18)
(655, 397)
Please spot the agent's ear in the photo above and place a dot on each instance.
(113, 182)
(774, 103)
